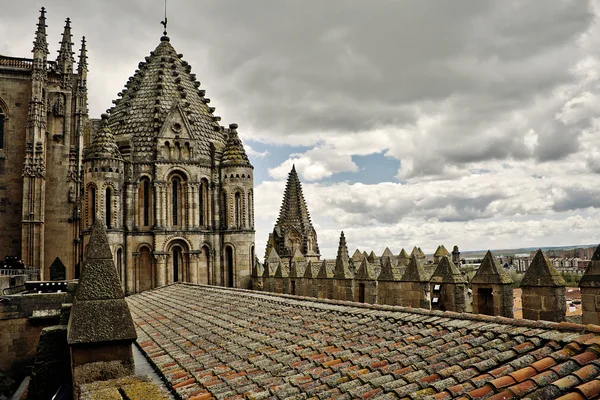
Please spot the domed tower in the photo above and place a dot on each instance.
(103, 189)
(188, 182)
(237, 210)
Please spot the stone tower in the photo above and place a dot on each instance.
(43, 118)
(543, 291)
(294, 228)
(590, 291)
(187, 184)
(492, 290)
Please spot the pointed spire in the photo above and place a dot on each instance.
(342, 264)
(366, 271)
(372, 257)
(542, 273)
(324, 272)
(415, 272)
(389, 272)
(294, 212)
(100, 312)
(489, 272)
(440, 251)
(234, 153)
(82, 64)
(65, 60)
(103, 144)
(403, 258)
(40, 44)
(357, 256)
(448, 271)
(387, 253)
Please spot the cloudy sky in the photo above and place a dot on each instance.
(410, 122)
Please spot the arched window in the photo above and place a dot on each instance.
(2, 118)
(230, 266)
(250, 208)
(119, 263)
(92, 205)
(145, 202)
(175, 199)
(203, 202)
(238, 210)
(108, 207)
(224, 210)
(177, 263)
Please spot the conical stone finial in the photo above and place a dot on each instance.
(82, 64)
(40, 44)
(448, 271)
(415, 272)
(542, 273)
(591, 277)
(342, 264)
(490, 273)
(100, 312)
(65, 60)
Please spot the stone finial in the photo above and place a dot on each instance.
(342, 264)
(312, 270)
(387, 253)
(542, 273)
(271, 263)
(590, 291)
(372, 257)
(40, 44)
(543, 291)
(455, 255)
(448, 272)
(389, 272)
(415, 272)
(403, 258)
(357, 256)
(490, 273)
(82, 64)
(282, 271)
(366, 271)
(591, 277)
(100, 312)
(65, 60)
(324, 272)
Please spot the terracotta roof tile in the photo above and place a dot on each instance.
(261, 346)
(591, 389)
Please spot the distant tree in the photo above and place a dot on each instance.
(516, 278)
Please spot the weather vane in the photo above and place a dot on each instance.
(164, 23)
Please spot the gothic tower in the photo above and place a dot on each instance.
(293, 229)
(43, 115)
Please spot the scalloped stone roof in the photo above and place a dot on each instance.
(234, 153)
(161, 81)
(103, 145)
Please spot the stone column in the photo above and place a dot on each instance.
(133, 278)
(158, 222)
(194, 205)
(161, 269)
(193, 267)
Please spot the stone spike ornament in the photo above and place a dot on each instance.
(82, 64)
(100, 312)
(415, 272)
(40, 44)
(103, 145)
(448, 271)
(342, 264)
(65, 59)
(489, 272)
(542, 273)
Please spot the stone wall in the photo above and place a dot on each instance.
(22, 318)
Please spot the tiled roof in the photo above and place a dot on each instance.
(163, 80)
(103, 144)
(234, 153)
(230, 343)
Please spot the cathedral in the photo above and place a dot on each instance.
(173, 187)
